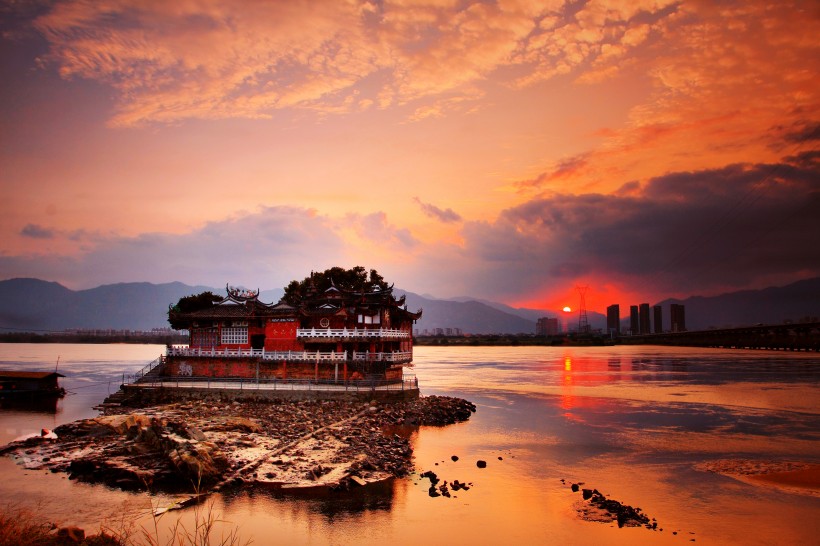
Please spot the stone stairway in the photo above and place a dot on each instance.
(112, 400)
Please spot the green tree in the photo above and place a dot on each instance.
(355, 279)
(189, 304)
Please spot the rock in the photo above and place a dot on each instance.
(71, 535)
(481, 464)
(121, 423)
(454, 458)
(444, 490)
(242, 423)
(196, 434)
(574, 487)
(625, 515)
(357, 480)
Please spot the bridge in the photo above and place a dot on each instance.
(804, 336)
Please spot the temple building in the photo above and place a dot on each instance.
(327, 335)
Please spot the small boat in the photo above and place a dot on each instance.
(15, 384)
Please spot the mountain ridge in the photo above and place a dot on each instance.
(29, 304)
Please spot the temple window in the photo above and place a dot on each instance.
(235, 335)
(204, 337)
(366, 319)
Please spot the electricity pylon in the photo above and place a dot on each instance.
(583, 322)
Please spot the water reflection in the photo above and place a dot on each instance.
(657, 374)
(48, 405)
(634, 422)
(331, 505)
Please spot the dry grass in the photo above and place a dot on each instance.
(21, 526)
(203, 531)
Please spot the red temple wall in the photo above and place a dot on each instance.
(281, 336)
(245, 368)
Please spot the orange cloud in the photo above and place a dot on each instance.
(218, 59)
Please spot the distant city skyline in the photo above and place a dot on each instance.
(507, 150)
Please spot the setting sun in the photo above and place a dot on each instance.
(567, 309)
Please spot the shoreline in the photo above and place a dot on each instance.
(790, 476)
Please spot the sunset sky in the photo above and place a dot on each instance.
(506, 150)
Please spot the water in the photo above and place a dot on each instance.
(637, 423)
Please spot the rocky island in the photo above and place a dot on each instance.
(206, 445)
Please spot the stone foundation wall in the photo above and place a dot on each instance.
(145, 394)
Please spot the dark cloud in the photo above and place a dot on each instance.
(629, 188)
(806, 132)
(37, 232)
(805, 159)
(688, 232)
(448, 215)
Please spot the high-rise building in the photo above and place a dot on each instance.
(546, 326)
(634, 323)
(613, 320)
(678, 317)
(644, 318)
(657, 319)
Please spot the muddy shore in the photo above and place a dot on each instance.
(203, 446)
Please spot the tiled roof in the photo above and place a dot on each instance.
(221, 311)
(10, 374)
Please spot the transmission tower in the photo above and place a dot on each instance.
(583, 322)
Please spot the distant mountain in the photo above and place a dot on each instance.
(472, 316)
(596, 320)
(33, 304)
(773, 305)
(270, 296)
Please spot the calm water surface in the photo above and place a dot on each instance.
(633, 422)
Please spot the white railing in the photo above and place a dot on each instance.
(304, 355)
(253, 384)
(182, 350)
(364, 333)
(383, 357)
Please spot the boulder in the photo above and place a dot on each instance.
(70, 535)
(121, 423)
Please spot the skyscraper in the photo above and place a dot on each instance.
(634, 323)
(644, 319)
(546, 326)
(658, 319)
(613, 319)
(678, 316)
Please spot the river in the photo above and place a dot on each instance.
(640, 424)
